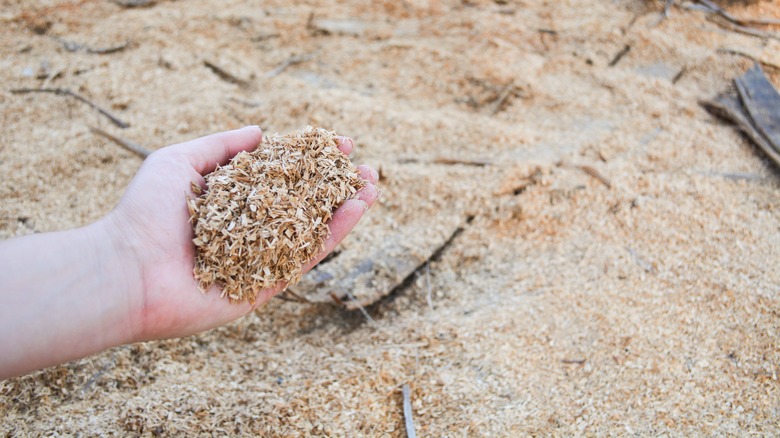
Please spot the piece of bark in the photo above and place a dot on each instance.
(370, 273)
(762, 103)
(753, 108)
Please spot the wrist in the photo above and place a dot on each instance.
(120, 272)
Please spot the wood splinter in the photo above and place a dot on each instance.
(66, 92)
(408, 420)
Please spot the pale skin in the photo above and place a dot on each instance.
(128, 277)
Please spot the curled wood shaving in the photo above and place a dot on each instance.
(264, 214)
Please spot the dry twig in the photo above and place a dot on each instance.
(747, 55)
(66, 92)
(733, 23)
(590, 170)
(133, 3)
(503, 96)
(714, 8)
(127, 144)
(293, 60)
(225, 75)
(619, 55)
(361, 308)
(72, 46)
(448, 161)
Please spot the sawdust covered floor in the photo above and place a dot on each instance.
(646, 302)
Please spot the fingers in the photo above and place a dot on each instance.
(368, 174)
(343, 221)
(206, 153)
(345, 144)
(368, 194)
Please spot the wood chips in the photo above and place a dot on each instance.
(264, 214)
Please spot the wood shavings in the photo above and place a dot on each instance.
(265, 213)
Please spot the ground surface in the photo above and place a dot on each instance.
(650, 304)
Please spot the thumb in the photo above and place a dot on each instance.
(206, 153)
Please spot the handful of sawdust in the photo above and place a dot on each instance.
(264, 214)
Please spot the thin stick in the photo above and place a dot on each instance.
(98, 375)
(595, 174)
(408, 420)
(225, 75)
(296, 298)
(747, 55)
(293, 60)
(447, 161)
(736, 20)
(619, 55)
(750, 31)
(502, 98)
(127, 144)
(66, 92)
(361, 308)
(72, 46)
(133, 3)
(450, 161)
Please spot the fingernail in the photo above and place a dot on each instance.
(346, 141)
(374, 174)
(363, 205)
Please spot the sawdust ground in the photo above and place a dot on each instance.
(565, 306)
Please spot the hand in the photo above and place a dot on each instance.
(151, 226)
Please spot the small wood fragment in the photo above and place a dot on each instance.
(225, 75)
(737, 20)
(408, 420)
(619, 55)
(68, 93)
(362, 309)
(503, 97)
(72, 46)
(127, 144)
(753, 108)
(134, 3)
(757, 59)
(449, 161)
(642, 263)
(289, 62)
(590, 170)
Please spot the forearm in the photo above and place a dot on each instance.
(65, 295)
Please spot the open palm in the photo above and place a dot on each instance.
(153, 220)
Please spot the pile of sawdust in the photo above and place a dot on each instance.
(265, 213)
